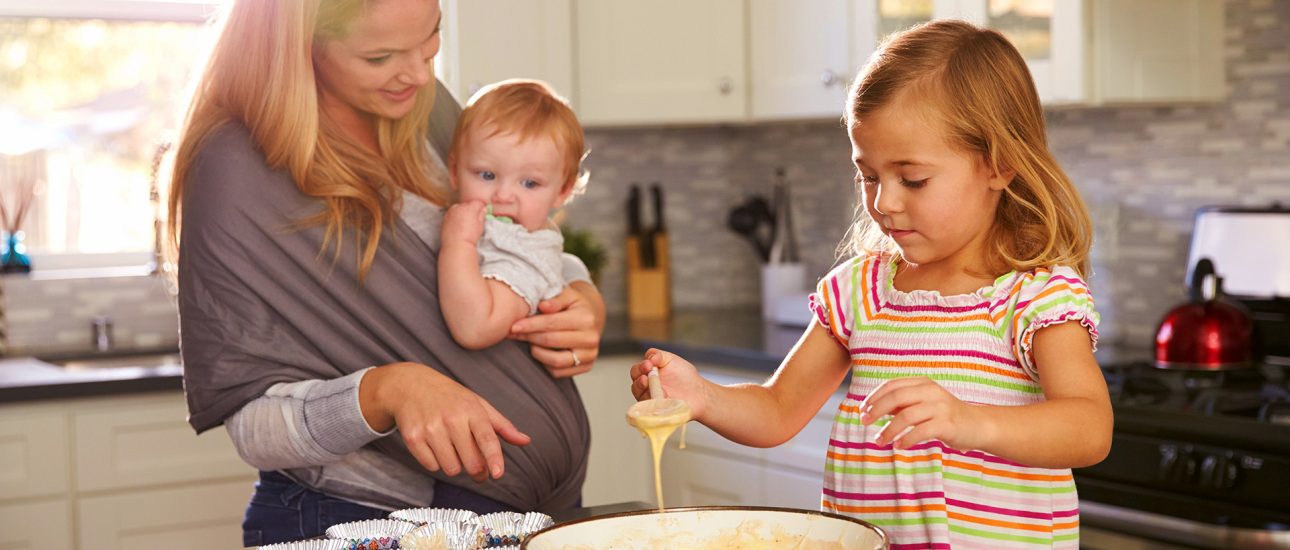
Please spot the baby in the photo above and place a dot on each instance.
(515, 156)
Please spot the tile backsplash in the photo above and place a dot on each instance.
(56, 315)
(1142, 169)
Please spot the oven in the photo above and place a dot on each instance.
(1198, 460)
(1201, 458)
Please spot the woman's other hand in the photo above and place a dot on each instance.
(565, 334)
(678, 377)
(445, 426)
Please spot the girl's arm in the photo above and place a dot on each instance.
(1070, 429)
(479, 312)
(763, 415)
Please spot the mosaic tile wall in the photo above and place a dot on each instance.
(56, 316)
(1143, 171)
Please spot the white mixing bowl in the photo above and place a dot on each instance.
(712, 528)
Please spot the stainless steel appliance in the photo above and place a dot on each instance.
(1201, 459)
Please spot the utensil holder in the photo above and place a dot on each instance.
(649, 292)
(777, 280)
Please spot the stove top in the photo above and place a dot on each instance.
(1260, 394)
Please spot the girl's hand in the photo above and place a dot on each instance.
(565, 334)
(922, 410)
(444, 425)
(679, 378)
(463, 223)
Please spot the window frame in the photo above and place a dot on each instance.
(89, 264)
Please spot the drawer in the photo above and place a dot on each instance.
(144, 442)
(33, 452)
(195, 517)
(43, 524)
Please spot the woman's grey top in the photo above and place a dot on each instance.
(267, 316)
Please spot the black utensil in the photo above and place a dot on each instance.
(657, 191)
(744, 221)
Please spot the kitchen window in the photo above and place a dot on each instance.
(89, 92)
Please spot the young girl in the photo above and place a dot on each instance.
(516, 155)
(963, 318)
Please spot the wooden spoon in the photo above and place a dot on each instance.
(658, 410)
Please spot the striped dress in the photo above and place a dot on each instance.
(976, 346)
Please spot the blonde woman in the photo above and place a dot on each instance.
(305, 200)
(963, 317)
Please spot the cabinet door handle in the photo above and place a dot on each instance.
(725, 85)
(829, 78)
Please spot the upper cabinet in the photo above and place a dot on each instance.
(662, 61)
(1098, 52)
(802, 57)
(628, 62)
(489, 40)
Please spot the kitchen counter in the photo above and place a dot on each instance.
(735, 337)
(31, 379)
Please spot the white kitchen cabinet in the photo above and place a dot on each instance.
(489, 40)
(1099, 52)
(36, 524)
(206, 516)
(128, 466)
(802, 57)
(34, 451)
(620, 468)
(663, 61)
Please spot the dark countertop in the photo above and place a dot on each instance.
(735, 337)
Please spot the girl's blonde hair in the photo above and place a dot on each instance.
(260, 73)
(984, 97)
(527, 108)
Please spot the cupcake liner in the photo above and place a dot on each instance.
(444, 535)
(422, 516)
(322, 544)
(370, 529)
(511, 528)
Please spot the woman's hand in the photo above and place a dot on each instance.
(922, 410)
(565, 334)
(445, 426)
(678, 377)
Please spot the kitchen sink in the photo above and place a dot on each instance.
(98, 362)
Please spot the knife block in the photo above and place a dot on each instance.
(649, 292)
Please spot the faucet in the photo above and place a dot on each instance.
(101, 333)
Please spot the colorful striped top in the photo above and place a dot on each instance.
(977, 346)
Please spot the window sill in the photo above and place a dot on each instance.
(85, 273)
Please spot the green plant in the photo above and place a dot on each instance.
(583, 244)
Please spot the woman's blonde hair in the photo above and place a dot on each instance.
(982, 93)
(527, 108)
(260, 73)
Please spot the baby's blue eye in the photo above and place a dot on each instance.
(487, 175)
(378, 60)
(530, 184)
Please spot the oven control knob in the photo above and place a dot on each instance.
(1168, 462)
(1229, 473)
(1187, 467)
(1209, 468)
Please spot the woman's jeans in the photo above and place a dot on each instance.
(282, 510)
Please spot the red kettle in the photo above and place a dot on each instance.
(1209, 333)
